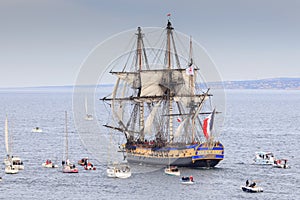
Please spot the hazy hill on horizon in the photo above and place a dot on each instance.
(269, 83)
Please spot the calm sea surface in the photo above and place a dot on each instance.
(256, 120)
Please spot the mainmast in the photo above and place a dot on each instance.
(139, 57)
(169, 34)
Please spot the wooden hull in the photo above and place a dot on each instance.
(193, 156)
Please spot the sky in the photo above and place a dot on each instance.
(45, 42)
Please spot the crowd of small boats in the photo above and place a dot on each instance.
(264, 158)
(268, 158)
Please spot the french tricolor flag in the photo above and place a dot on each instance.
(190, 71)
(178, 119)
(208, 124)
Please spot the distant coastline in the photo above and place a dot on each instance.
(271, 83)
(267, 84)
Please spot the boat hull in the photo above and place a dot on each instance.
(49, 165)
(69, 169)
(118, 171)
(11, 170)
(193, 156)
(187, 182)
(170, 171)
(252, 189)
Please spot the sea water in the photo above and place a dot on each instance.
(256, 120)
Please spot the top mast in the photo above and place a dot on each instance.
(139, 48)
(169, 33)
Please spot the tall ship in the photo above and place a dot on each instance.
(162, 106)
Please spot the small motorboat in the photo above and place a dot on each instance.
(10, 169)
(89, 166)
(118, 170)
(69, 167)
(252, 188)
(49, 164)
(89, 117)
(83, 161)
(172, 170)
(37, 130)
(281, 163)
(86, 163)
(185, 180)
(17, 162)
(264, 158)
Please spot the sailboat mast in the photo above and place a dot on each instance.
(6, 136)
(86, 111)
(66, 130)
(169, 32)
(139, 57)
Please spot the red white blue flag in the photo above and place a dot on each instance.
(190, 71)
(208, 125)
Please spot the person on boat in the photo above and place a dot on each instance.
(191, 178)
(252, 185)
(247, 183)
(284, 165)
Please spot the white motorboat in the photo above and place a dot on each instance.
(17, 163)
(254, 189)
(185, 180)
(118, 170)
(281, 163)
(69, 168)
(172, 170)
(264, 158)
(10, 169)
(37, 130)
(49, 164)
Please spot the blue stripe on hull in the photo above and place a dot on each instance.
(180, 162)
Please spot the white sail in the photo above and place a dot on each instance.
(151, 83)
(150, 119)
(131, 78)
(116, 114)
